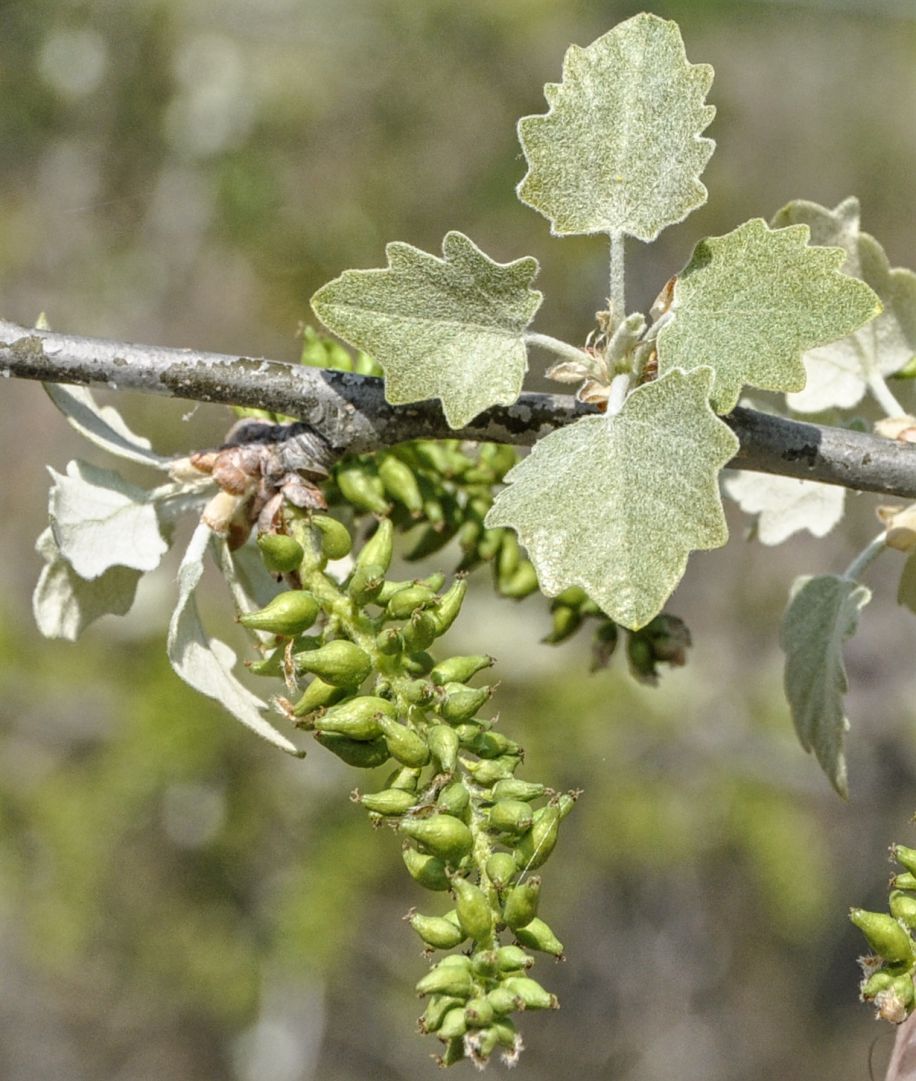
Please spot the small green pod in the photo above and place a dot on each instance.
(571, 597)
(362, 489)
(521, 904)
(484, 963)
(565, 621)
(461, 705)
(513, 958)
(884, 934)
(436, 1009)
(489, 544)
(490, 770)
(535, 847)
(443, 746)
(405, 778)
(406, 746)
(454, 799)
(905, 881)
(521, 584)
(341, 663)
(513, 788)
(418, 692)
(437, 932)
(492, 744)
(538, 936)
(446, 611)
(441, 835)
(366, 583)
(288, 614)
(502, 1000)
(473, 908)
(280, 553)
(390, 801)
(905, 991)
(400, 483)
(512, 816)
(454, 1052)
(508, 558)
(389, 641)
(530, 993)
(501, 869)
(905, 856)
(417, 664)
(363, 754)
(336, 541)
(357, 719)
(409, 599)
(271, 665)
(454, 980)
(317, 695)
(379, 548)
(419, 632)
(459, 669)
(454, 1025)
(876, 982)
(470, 730)
(428, 871)
(479, 1012)
(903, 908)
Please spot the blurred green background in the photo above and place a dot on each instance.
(178, 900)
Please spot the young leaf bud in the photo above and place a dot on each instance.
(441, 835)
(473, 908)
(510, 816)
(281, 554)
(531, 993)
(437, 932)
(336, 541)
(317, 695)
(454, 799)
(357, 719)
(459, 669)
(443, 746)
(288, 614)
(405, 745)
(378, 549)
(538, 936)
(362, 489)
(363, 754)
(428, 870)
(521, 904)
(501, 869)
(400, 483)
(340, 663)
(885, 935)
(390, 801)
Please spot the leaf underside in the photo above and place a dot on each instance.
(822, 614)
(450, 328)
(749, 303)
(615, 504)
(785, 505)
(619, 150)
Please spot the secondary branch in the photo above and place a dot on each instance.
(350, 413)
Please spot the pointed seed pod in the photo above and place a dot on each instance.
(389, 641)
(905, 881)
(341, 663)
(502, 1000)
(406, 746)
(400, 483)
(437, 932)
(454, 1025)
(419, 631)
(366, 583)
(521, 904)
(443, 746)
(470, 730)
(538, 936)
(280, 553)
(490, 770)
(884, 934)
(508, 558)
(271, 665)
(454, 799)
(418, 692)
(336, 541)
(473, 908)
(288, 614)
(363, 754)
(441, 835)
(877, 981)
(479, 1012)
(531, 993)
(428, 871)
(484, 964)
(357, 719)
(409, 599)
(565, 622)
(461, 705)
(317, 695)
(513, 958)
(379, 548)
(512, 788)
(435, 1011)
(390, 801)
(453, 980)
(459, 669)
(522, 583)
(536, 845)
(405, 778)
(454, 1052)
(446, 611)
(493, 744)
(510, 816)
(417, 664)
(362, 489)
(501, 869)
(905, 856)
(903, 907)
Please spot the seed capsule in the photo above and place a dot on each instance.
(389, 641)
(437, 932)
(490, 770)
(281, 554)
(459, 669)
(885, 935)
(443, 746)
(493, 744)
(473, 908)
(502, 1000)
(288, 614)
(400, 483)
(454, 1025)
(454, 1052)
(419, 631)
(364, 490)
(905, 856)
(512, 788)
(446, 979)
(903, 907)
(454, 799)
(336, 541)
(479, 1012)
(461, 705)
(404, 778)
(379, 548)
(357, 719)
(408, 600)
(441, 835)
(418, 692)
(522, 583)
(531, 993)
(521, 904)
(905, 881)
(510, 816)
(366, 583)
(446, 611)
(341, 663)
(508, 558)
(364, 754)
(438, 1007)
(390, 801)
(428, 870)
(538, 936)
(512, 958)
(405, 745)
(417, 664)
(484, 963)
(566, 621)
(317, 695)
(537, 844)
(878, 981)
(501, 869)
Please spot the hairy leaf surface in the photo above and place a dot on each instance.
(785, 505)
(206, 663)
(749, 303)
(450, 328)
(822, 614)
(615, 504)
(619, 150)
(838, 373)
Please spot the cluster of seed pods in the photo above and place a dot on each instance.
(356, 653)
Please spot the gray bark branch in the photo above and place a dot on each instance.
(350, 413)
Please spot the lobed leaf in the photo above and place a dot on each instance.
(619, 150)
(838, 373)
(450, 328)
(749, 303)
(822, 614)
(614, 504)
(785, 505)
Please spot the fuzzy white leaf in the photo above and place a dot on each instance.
(785, 505)
(206, 663)
(100, 521)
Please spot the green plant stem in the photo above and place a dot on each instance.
(866, 557)
(617, 286)
(557, 347)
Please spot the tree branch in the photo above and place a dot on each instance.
(350, 413)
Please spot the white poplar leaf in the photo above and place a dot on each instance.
(785, 505)
(100, 521)
(822, 614)
(620, 149)
(103, 425)
(838, 373)
(450, 328)
(64, 604)
(614, 504)
(749, 303)
(206, 663)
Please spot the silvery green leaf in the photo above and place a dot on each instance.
(103, 425)
(614, 504)
(838, 373)
(749, 303)
(101, 521)
(822, 614)
(206, 663)
(784, 505)
(65, 604)
(906, 589)
(620, 148)
(450, 328)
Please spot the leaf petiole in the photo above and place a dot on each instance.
(866, 557)
(557, 347)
